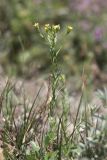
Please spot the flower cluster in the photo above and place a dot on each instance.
(55, 28)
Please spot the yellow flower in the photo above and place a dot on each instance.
(69, 29)
(36, 25)
(47, 27)
(56, 27)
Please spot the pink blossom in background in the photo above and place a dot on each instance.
(98, 33)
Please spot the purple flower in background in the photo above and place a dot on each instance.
(98, 34)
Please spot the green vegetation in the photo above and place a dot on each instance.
(22, 49)
(71, 61)
(42, 134)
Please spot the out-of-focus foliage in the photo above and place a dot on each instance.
(23, 47)
(90, 16)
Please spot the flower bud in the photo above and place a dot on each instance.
(36, 25)
(47, 27)
(69, 29)
(56, 27)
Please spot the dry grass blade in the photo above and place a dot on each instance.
(1, 154)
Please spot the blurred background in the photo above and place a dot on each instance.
(24, 54)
